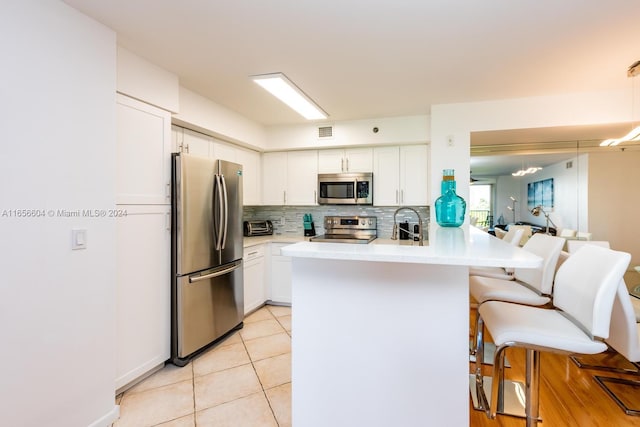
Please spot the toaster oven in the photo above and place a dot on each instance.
(258, 228)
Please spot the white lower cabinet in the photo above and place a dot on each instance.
(254, 278)
(143, 245)
(280, 275)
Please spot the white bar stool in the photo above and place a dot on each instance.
(624, 337)
(512, 237)
(585, 288)
(530, 286)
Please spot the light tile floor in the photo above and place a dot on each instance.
(243, 381)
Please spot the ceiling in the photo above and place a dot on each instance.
(360, 59)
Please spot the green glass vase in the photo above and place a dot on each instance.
(450, 208)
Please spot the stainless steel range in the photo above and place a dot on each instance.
(348, 229)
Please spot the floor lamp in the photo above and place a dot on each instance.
(512, 208)
(536, 212)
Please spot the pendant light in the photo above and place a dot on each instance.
(634, 135)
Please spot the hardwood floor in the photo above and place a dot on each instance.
(569, 395)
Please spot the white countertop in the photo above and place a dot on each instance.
(467, 246)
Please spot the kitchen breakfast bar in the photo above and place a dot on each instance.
(381, 331)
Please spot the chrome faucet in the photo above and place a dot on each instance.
(394, 234)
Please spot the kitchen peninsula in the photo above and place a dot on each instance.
(381, 331)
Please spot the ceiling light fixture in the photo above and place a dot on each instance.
(523, 172)
(634, 135)
(286, 91)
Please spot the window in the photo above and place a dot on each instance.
(480, 205)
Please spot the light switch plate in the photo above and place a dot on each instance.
(78, 238)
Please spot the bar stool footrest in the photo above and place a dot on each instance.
(514, 392)
(489, 351)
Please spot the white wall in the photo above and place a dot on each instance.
(507, 186)
(204, 115)
(143, 80)
(614, 200)
(391, 130)
(570, 202)
(57, 86)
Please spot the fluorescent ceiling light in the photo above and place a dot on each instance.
(282, 88)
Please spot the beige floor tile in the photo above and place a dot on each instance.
(224, 386)
(249, 411)
(261, 328)
(220, 358)
(273, 345)
(230, 340)
(279, 310)
(260, 314)
(274, 371)
(170, 374)
(280, 400)
(285, 321)
(156, 405)
(188, 421)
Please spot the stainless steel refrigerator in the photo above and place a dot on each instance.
(206, 250)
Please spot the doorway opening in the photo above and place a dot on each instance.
(480, 203)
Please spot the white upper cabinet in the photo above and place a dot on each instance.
(302, 168)
(290, 178)
(143, 153)
(345, 160)
(386, 176)
(224, 151)
(199, 144)
(274, 181)
(414, 175)
(400, 175)
(251, 173)
(188, 141)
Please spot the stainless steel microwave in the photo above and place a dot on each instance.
(345, 189)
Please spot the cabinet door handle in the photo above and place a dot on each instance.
(347, 165)
(187, 148)
(167, 192)
(167, 221)
(397, 200)
(315, 196)
(342, 164)
(284, 197)
(401, 196)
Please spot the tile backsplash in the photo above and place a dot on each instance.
(288, 219)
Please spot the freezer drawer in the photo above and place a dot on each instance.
(207, 305)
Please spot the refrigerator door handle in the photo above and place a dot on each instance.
(218, 212)
(225, 220)
(215, 274)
